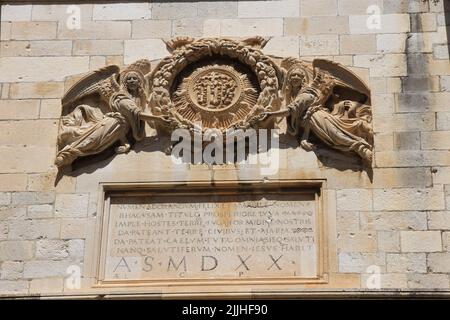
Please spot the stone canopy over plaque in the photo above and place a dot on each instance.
(219, 84)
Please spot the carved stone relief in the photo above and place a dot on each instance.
(222, 84)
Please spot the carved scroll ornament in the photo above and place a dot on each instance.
(221, 84)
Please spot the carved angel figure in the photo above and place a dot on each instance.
(312, 105)
(90, 129)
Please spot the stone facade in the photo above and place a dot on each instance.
(396, 217)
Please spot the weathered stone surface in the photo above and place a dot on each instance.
(37, 90)
(362, 241)
(402, 177)
(218, 9)
(388, 241)
(98, 30)
(355, 7)
(32, 198)
(52, 249)
(61, 12)
(354, 199)
(406, 262)
(389, 23)
(35, 48)
(71, 205)
(409, 199)
(177, 10)
(319, 45)
(318, 8)
(439, 220)
(144, 29)
(358, 44)
(46, 268)
(420, 241)
(151, 49)
(5, 29)
(390, 220)
(73, 228)
(13, 182)
(428, 281)
(47, 131)
(14, 287)
(359, 262)
(391, 65)
(34, 229)
(40, 211)
(45, 286)
(122, 11)
(16, 250)
(283, 46)
(268, 9)
(407, 140)
(33, 30)
(402, 6)
(192, 26)
(16, 12)
(11, 270)
(439, 262)
(50, 109)
(97, 47)
(250, 27)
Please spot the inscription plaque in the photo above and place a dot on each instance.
(200, 234)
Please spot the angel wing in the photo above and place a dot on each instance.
(89, 84)
(341, 76)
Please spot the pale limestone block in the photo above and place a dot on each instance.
(389, 23)
(76, 248)
(19, 109)
(357, 7)
(46, 268)
(406, 262)
(28, 128)
(446, 241)
(47, 285)
(408, 158)
(428, 281)
(392, 221)
(388, 241)
(250, 27)
(387, 280)
(52, 249)
(377, 85)
(4, 91)
(16, 250)
(42, 181)
(36, 48)
(187, 26)
(439, 220)
(420, 241)
(402, 6)
(445, 83)
(319, 45)
(409, 199)
(71, 205)
(96, 62)
(50, 109)
(16, 12)
(283, 47)
(419, 42)
(40, 211)
(405, 122)
(18, 287)
(37, 90)
(439, 262)
(152, 49)
(360, 262)
(122, 11)
(5, 198)
(347, 221)
(393, 85)
(401, 177)
(34, 229)
(97, 30)
(354, 199)
(437, 6)
(145, 29)
(177, 10)
(73, 229)
(33, 30)
(359, 241)
(5, 29)
(441, 52)
(268, 9)
(346, 60)
(383, 65)
(13, 182)
(16, 69)
(443, 120)
(12, 213)
(391, 43)
(315, 25)
(384, 141)
(358, 44)
(319, 8)
(435, 140)
(61, 12)
(4, 229)
(97, 47)
(218, 9)
(428, 22)
(118, 60)
(11, 270)
(212, 28)
(408, 140)
(28, 198)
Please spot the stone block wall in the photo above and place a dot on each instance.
(399, 221)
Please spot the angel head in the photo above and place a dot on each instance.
(295, 79)
(133, 77)
(133, 81)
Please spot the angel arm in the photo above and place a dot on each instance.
(150, 117)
